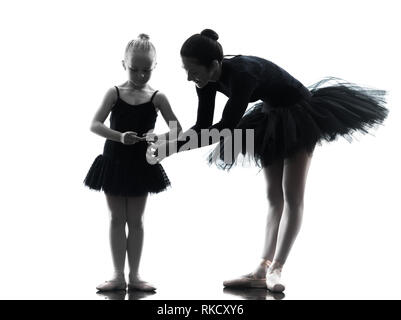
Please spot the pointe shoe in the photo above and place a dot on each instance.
(112, 285)
(140, 285)
(273, 282)
(246, 281)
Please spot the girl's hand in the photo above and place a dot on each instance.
(130, 137)
(150, 137)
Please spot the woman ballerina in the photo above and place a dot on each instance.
(287, 125)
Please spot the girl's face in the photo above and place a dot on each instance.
(199, 74)
(139, 66)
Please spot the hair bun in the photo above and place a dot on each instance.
(210, 34)
(143, 36)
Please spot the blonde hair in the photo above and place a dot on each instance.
(141, 43)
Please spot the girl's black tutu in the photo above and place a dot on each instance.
(127, 174)
(330, 111)
(123, 170)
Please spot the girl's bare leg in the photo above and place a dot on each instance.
(118, 242)
(135, 210)
(118, 238)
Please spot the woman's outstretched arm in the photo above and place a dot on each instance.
(241, 90)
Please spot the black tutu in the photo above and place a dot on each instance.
(123, 170)
(126, 175)
(329, 112)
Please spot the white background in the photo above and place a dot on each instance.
(58, 58)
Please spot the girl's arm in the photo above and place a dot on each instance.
(97, 125)
(161, 102)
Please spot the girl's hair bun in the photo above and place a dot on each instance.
(210, 34)
(143, 36)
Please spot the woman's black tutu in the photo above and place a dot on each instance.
(331, 111)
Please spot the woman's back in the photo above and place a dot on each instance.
(270, 82)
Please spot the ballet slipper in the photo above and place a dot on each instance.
(112, 285)
(140, 285)
(246, 281)
(273, 281)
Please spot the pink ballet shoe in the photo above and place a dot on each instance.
(246, 281)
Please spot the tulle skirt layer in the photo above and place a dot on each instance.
(126, 178)
(331, 111)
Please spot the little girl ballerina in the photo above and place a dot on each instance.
(122, 171)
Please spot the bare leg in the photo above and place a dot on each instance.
(273, 175)
(294, 181)
(118, 238)
(135, 210)
(256, 279)
(282, 227)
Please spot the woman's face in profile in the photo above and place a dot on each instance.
(197, 73)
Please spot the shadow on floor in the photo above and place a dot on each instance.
(254, 293)
(120, 295)
(244, 293)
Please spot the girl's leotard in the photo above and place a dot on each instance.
(123, 169)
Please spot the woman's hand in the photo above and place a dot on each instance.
(130, 137)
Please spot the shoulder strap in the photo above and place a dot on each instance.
(118, 92)
(153, 95)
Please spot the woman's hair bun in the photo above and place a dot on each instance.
(143, 36)
(210, 34)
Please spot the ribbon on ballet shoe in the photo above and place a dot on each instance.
(273, 281)
(151, 156)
